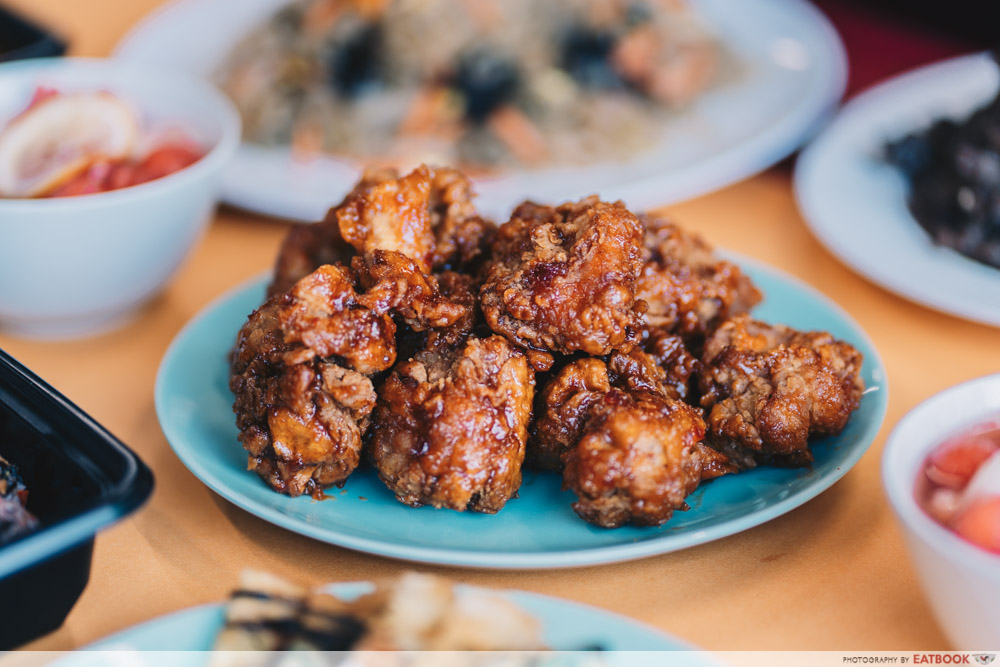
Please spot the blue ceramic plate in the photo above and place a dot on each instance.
(566, 626)
(536, 530)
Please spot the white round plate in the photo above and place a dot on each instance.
(855, 202)
(793, 73)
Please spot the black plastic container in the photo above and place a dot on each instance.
(20, 38)
(80, 478)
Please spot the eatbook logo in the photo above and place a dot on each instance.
(984, 658)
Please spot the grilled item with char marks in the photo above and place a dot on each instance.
(768, 389)
(562, 279)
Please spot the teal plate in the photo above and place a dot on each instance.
(566, 626)
(536, 530)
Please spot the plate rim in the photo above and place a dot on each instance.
(533, 560)
(813, 160)
(738, 161)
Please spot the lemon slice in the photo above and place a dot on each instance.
(60, 137)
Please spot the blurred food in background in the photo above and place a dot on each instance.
(66, 144)
(953, 170)
(479, 83)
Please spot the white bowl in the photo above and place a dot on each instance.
(962, 581)
(76, 265)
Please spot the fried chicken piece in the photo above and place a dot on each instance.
(426, 215)
(395, 282)
(309, 246)
(562, 409)
(687, 288)
(301, 365)
(300, 422)
(638, 458)
(562, 279)
(662, 365)
(451, 424)
(328, 318)
(769, 388)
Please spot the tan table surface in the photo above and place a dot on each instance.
(830, 575)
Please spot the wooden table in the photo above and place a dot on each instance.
(830, 575)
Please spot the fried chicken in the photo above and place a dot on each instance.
(427, 215)
(563, 404)
(662, 365)
(451, 425)
(638, 457)
(687, 288)
(562, 409)
(301, 368)
(769, 388)
(562, 279)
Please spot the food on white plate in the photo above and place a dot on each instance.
(407, 329)
(953, 171)
(15, 519)
(413, 612)
(960, 485)
(77, 143)
(485, 84)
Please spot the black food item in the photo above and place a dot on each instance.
(953, 170)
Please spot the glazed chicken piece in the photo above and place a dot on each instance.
(562, 279)
(661, 365)
(427, 215)
(300, 375)
(451, 424)
(687, 288)
(768, 389)
(638, 457)
(562, 409)
(562, 406)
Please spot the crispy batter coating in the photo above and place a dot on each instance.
(638, 458)
(451, 424)
(301, 365)
(663, 365)
(688, 289)
(769, 388)
(328, 318)
(426, 215)
(300, 417)
(395, 282)
(562, 279)
(561, 410)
